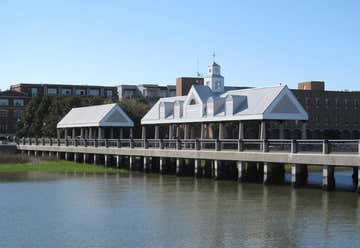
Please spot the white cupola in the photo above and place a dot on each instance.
(214, 80)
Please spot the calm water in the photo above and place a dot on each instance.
(40, 210)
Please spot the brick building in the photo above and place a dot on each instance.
(332, 114)
(65, 90)
(183, 84)
(12, 104)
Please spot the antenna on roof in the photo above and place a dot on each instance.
(214, 55)
(197, 67)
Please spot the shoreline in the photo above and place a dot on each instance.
(58, 166)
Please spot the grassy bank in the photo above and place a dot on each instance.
(56, 166)
(17, 163)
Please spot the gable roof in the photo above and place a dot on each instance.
(273, 103)
(106, 115)
(204, 92)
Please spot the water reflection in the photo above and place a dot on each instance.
(136, 210)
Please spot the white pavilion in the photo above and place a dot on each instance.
(236, 114)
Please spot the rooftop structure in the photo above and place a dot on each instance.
(204, 105)
(149, 91)
(213, 106)
(65, 90)
(95, 121)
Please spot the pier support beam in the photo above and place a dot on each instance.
(96, 158)
(118, 161)
(106, 160)
(197, 168)
(179, 166)
(273, 173)
(241, 168)
(218, 169)
(355, 176)
(248, 171)
(162, 165)
(299, 174)
(66, 156)
(356, 173)
(131, 162)
(85, 158)
(76, 157)
(155, 164)
(147, 164)
(328, 177)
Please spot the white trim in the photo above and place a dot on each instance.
(128, 122)
(302, 115)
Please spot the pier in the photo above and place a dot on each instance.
(246, 160)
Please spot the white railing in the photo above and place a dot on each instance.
(245, 145)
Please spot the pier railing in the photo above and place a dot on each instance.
(244, 145)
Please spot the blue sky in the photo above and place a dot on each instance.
(258, 43)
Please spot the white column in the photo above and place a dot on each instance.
(281, 130)
(221, 130)
(157, 133)
(100, 133)
(186, 131)
(82, 132)
(262, 130)
(241, 130)
(202, 134)
(303, 130)
(111, 132)
(121, 133)
(171, 131)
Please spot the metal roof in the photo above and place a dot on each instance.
(106, 115)
(276, 103)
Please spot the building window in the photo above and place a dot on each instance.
(218, 84)
(4, 102)
(109, 93)
(4, 113)
(3, 128)
(307, 101)
(317, 102)
(346, 103)
(18, 102)
(18, 114)
(356, 104)
(52, 91)
(94, 92)
(192, 102)
(66, 92)
(129, 93)
(34, 91)
(80, 92)
(337, 103)
(326, 103)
